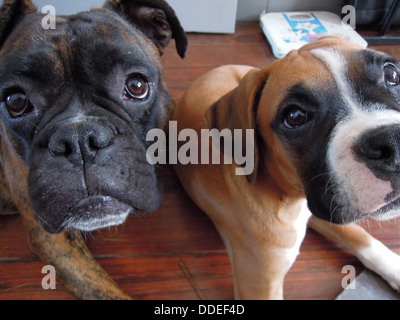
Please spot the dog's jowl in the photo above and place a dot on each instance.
(76, 102)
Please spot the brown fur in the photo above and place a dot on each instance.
(257, 216)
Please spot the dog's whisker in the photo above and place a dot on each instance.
(329, 186)
(330, 207)
(318, 176)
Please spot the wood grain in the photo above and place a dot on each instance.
(176, 253)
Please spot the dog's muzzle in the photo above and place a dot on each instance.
(379, 150)
(90, 173)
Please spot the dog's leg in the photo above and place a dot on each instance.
(370, 251)
(67, 252)
(6, 202)
(76, 268)
(258, 273)
(262, 248)
(260, 260)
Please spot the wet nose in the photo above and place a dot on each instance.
(80, 142)
(380, 148)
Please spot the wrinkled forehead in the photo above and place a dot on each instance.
(32, 29)
(357, 74)
(83, 30)
(344, 63)
(98, 40)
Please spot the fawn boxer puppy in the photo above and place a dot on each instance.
(326, 140)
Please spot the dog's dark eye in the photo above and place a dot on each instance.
(295, 117)
(18, 104)
(136, 87)
(391, 75)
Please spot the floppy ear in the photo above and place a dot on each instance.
(238, 110)
(156, 19)
(11, 12)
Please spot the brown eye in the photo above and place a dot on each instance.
(18, 104)
(137, 88)
(391, 75)
(295, 117)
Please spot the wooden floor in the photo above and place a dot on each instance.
(176, 252)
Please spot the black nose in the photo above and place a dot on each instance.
(380, 148)
(80, 142)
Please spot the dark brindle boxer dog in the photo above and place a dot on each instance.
(327, 120)
(76, 103)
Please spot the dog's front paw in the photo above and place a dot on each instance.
(383, 261)
(393, 277)
(392, 274)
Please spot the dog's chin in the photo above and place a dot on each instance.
(92, 213)
(383, 210)
(389, 211)
(350, 213)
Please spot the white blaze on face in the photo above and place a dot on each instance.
(355, 183)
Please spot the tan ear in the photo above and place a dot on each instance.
(238, 110)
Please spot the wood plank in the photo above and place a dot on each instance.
(176, 252)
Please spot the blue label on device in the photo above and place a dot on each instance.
(306, 26)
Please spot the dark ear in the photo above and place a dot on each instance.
(155, 18)
(11, 12)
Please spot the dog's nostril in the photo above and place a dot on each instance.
(93, 144)
(380, 148)
(99, 139)
(62, 145)
(386, 153)
(371, 152)
(80, 142)
(376, 153)
(65, 149)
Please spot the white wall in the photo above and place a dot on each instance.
(251, 9)
(64, 7)
(218, 16)
(246, 10)
(210, 15)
